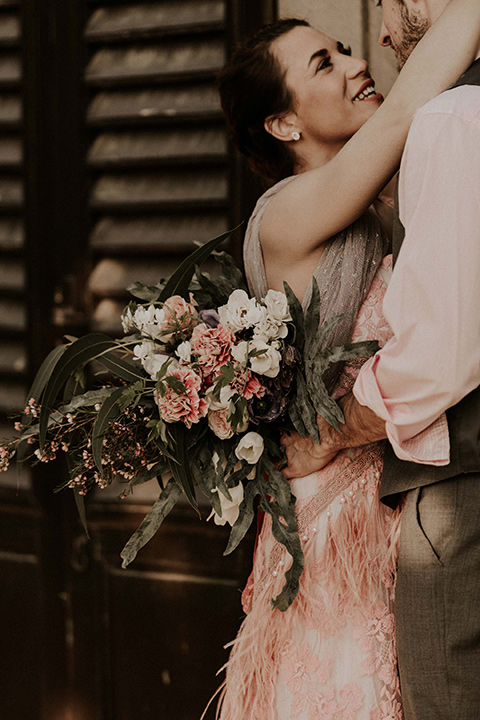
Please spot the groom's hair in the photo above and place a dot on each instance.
(252, 88)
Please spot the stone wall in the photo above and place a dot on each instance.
(354, 22)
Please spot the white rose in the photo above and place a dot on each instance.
(222, 403)
(268, 329)
(250, 448)
(277, 306)
(268, 363)
(239, 352)
(240, 312)
(230, 508)
(184, 352)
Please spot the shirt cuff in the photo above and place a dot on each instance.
(429, 447)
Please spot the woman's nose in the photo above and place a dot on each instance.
(357, 66)
(384, 38)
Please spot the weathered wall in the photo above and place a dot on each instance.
(354, 22)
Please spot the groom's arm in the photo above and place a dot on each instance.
(433, 300)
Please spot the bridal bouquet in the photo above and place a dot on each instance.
(195, 396)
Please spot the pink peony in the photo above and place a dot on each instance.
(253, 388)
(188, 407)
(211, 346)
(180, 317)
(217, 420)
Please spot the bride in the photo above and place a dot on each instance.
(308, 118)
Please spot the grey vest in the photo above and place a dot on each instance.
(463, 419)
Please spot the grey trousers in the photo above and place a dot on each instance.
(438, 601)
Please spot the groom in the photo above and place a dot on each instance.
(431, 364)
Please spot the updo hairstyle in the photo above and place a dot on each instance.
(252, 88)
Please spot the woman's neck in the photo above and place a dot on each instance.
(312, 155)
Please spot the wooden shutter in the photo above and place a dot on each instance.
(157, 154)
(12, 275)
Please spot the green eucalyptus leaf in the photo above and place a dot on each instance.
(180, 469)
(308, 414)
(163, 505)
(176, 384)
(149, 293)
(77, 354)
(296, 417)
(298, 317)
(350, 351)
(121, 368)
(179, 282)
(42, 377)
(232, 276)
(88, 399)
(246, 511)
(109, 411)
(312, 316)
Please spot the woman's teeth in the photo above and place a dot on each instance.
(368, 92)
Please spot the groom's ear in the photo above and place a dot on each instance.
(282, 127)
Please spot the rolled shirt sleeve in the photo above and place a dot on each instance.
(433, 300)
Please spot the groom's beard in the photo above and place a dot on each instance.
(413, 28)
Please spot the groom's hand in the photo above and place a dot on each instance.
(361, 427)
(304, 456)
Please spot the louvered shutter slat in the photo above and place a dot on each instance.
(158, 155)
(163, 235)
(199, 103)
(13, 314)
(154, 19)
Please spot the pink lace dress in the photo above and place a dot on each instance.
(331, 655)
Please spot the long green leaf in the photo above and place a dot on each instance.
(108, 412)
(181, 469)
(296, 418)
(349, 351)
(307, 410)
(121, 368)
(298, 317)
(246, 512)
(77, 354)
(151, 522)
(285, 531)
(312, 316)
(179, 282)
(43, 376)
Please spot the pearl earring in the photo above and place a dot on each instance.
(295, 135)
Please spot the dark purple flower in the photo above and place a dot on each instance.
(273, 404)
(210, 317)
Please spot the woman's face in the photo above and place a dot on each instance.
(333, 91)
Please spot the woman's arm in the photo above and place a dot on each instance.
(321, 202)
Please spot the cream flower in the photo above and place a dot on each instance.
(268, 362)
(230, 508)
(250, 448)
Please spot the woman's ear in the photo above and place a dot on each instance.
(282, 127)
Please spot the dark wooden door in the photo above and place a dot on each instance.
(113, 161)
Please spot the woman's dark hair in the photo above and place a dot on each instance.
(252, 88)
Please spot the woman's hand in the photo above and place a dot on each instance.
(304, 456)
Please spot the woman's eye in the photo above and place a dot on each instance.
(326, 62)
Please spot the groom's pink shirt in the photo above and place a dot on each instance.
(433, 301)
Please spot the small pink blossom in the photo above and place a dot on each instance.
(211, 346)
(253, 388)
(188, 406)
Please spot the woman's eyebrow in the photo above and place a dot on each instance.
(318, 53)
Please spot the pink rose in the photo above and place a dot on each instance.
(211, 346)
(180, 318)
(217, 420)
(188, 407)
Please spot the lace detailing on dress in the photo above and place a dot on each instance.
(331, 655)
